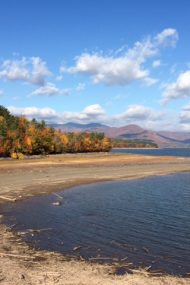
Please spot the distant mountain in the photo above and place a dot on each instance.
(182, 136)
(161, 138)
(128, 131)
(131, 132)
(76, 127)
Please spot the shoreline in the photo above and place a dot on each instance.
(20, 179)
(137, 148)
(23, 179)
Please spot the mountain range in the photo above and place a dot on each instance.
(131, 132)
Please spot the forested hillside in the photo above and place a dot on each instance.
(19, 136)
(121, 143)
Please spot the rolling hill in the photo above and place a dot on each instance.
(131, 132)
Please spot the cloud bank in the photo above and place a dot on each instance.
(46, 113)
(92, 113)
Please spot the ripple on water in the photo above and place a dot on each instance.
(145, 222)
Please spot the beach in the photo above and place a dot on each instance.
(20, 179)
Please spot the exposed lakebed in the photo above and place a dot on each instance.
(145, 222)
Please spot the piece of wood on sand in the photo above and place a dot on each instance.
(8, 199)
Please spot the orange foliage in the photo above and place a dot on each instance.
(20, 136)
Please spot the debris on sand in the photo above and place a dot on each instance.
(57, 203)
(77, 248)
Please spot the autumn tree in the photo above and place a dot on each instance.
(18, 135)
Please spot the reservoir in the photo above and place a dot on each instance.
(144, 222)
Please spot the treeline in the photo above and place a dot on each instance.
(121, 143)
(19, 137)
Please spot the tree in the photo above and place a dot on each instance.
(20, 136)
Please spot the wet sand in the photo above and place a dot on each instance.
(22, 179)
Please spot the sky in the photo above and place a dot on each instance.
(115, 62)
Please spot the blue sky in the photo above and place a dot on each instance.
(111, 61)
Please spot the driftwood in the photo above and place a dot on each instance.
(60, 197)
(100, 258)
(12, 226)
(8, 199)
(39, 230)
(145, 249)
(2, 254)
(77, 248)
(148, 268)
(57, 203)
(33, 231)
(125, 258)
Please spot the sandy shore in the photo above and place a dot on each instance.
(20, 179)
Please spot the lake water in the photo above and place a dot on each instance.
(145, 222)
(182, 152)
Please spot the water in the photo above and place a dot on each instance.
(182, 152)
(145, 222)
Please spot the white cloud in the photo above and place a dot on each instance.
(1, 93)
(80, 87)
(184, 119)
(150, 81)
(135, 114)
(92, 113)
(185, 115)
(139, 113)
(178, 89)
(32, 70)
(34, 112)
(156, 63)
(122, 69)
(50, 90)
(167, 37)
(94, 110)
(109, 70)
